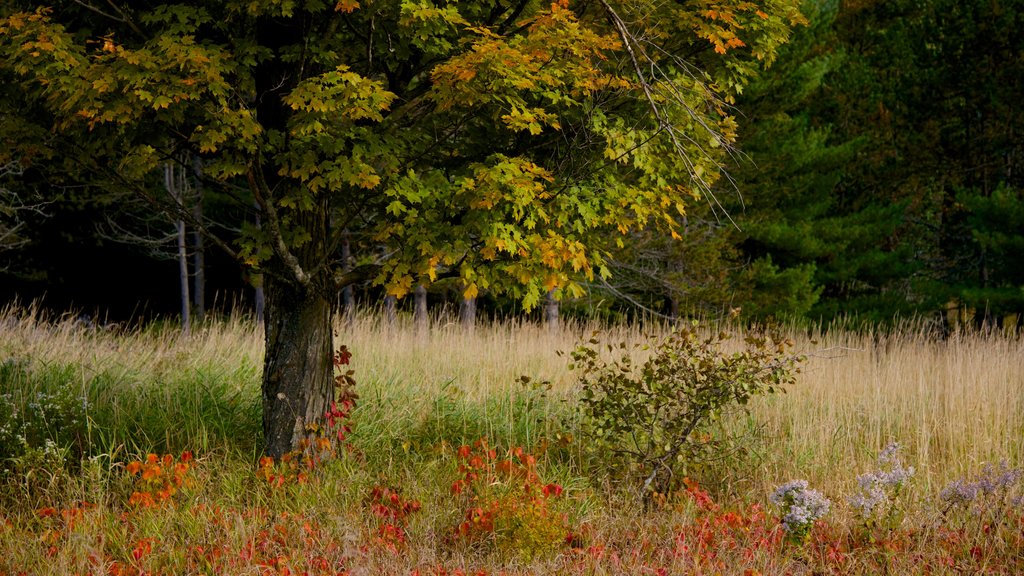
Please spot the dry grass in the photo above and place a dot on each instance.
(953, 404)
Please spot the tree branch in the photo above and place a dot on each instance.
(124, 19)
(261, 193)
(634, 49)
(360, 273)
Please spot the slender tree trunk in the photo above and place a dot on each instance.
(186, 321)
(348, 300)
(467, 313)
(298, 384)
(260, 303)
(551, 311)
(259, 297)
(390, 311)
(420, 318)
(198, 248)
(174, 187)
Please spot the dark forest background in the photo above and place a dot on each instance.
(880, 177)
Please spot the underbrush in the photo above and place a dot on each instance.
(138, 453)
(472, 510)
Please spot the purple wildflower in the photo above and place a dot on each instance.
(879, 488)
(992, 480)
(801, 507)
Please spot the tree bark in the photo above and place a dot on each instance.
(467, 313)
(420, 318)
(198, 248)
(551, 311)
(298, 384)
(348, 299)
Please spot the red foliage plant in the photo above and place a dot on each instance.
(506, 501)
(392, 511)
(159, 479)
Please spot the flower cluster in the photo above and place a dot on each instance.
(55, 417)
(992, 481)
(879, 488)
(801, 507)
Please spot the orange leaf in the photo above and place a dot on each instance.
(346, 6)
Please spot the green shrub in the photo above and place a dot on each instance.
(647, 420)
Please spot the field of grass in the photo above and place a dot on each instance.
(415, 492)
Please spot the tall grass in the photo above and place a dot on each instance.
(953, 403)
(147, 389)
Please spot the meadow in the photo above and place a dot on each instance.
(138, 452)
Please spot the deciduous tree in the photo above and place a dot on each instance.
(506, 143)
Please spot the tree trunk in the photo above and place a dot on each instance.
(260, 303)
(420, 310)
(390, 311)
(186, 322)
(348, 299)
(175, 189)
(467, 313)
(551, 311)
(298, 383)
(198, 248)
(259, 297)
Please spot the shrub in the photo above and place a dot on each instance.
(392, 511)
(157, 480)
(650, 419)
(507, 504)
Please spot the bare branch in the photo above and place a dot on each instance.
(121, 17)
(13, 209)
(633, 301)
(361, 273)
(640, 59)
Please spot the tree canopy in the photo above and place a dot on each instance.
(511, 144)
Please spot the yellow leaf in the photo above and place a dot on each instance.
(471, 291)
(551, 282)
